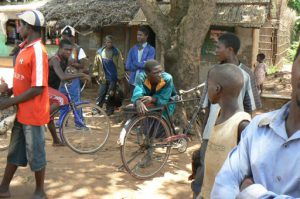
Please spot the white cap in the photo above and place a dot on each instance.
(33, 17)
(68, 30)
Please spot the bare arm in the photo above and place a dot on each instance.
(241, 127)
(27, 95)
(60, 73)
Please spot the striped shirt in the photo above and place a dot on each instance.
(249, 100)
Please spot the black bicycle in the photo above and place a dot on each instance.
(146, 141)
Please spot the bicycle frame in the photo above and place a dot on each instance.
(70, 106)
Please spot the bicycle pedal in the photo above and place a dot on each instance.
(175, 137)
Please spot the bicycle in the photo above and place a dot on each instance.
(146, 140)
(7, 117)
(84, 127)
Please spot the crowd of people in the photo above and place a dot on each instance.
(239, 157)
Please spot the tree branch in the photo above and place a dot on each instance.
(160, 23)
(196, 23)
(178, 10)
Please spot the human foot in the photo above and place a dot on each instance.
(39, 195)
(4, 192)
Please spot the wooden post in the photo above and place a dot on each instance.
(127, 41)
(255, 45)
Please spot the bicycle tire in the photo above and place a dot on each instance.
(90, 137)
(139, 144)
(5, 140)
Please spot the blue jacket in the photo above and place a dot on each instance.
(164, 90)
(132, 63)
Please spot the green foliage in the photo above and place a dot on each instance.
(292, 51)
(295, 4)
(272, 69)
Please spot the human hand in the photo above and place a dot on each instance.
(246, 183)
(5, 103)
(75, 64)
(141, 107)
(146, 99)
(3, 85)
(86, 78)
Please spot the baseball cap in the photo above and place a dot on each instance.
(68, 31)
(33, 17)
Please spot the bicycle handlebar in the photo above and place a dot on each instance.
(182, 92)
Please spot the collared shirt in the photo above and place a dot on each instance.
(31, 70)
(248, 100)
(140, 52)
(266, 153)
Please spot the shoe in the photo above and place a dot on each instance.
(81, 128)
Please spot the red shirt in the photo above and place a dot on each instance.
(31, 70)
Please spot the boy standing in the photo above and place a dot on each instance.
(30, 89)
(260, 71)
(224, 85)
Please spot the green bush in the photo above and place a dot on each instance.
(292, 51)
(272, 69)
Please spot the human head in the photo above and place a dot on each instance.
(296, 78)
(153, 71)
(68, 33)
(224, 80)
(228, 44)
(31, 21)
(65, 48)
(142, 34)
(108, 40)
(260, 57)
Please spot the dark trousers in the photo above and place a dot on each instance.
(106, 94)
(198, 181)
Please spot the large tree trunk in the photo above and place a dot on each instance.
(181, 34)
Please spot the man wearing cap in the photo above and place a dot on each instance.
(30, 89)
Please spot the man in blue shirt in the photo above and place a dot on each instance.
(138, 55)
(266, 162)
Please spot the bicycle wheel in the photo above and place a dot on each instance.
(88, 132)
(144, 151)
(5, 140)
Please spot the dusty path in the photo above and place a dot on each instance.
(70, 175)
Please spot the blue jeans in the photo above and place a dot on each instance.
(27, 145)
(74, 90)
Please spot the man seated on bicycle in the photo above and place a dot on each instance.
(153, 87)
(57, 75)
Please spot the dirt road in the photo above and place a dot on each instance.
(70, 175)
